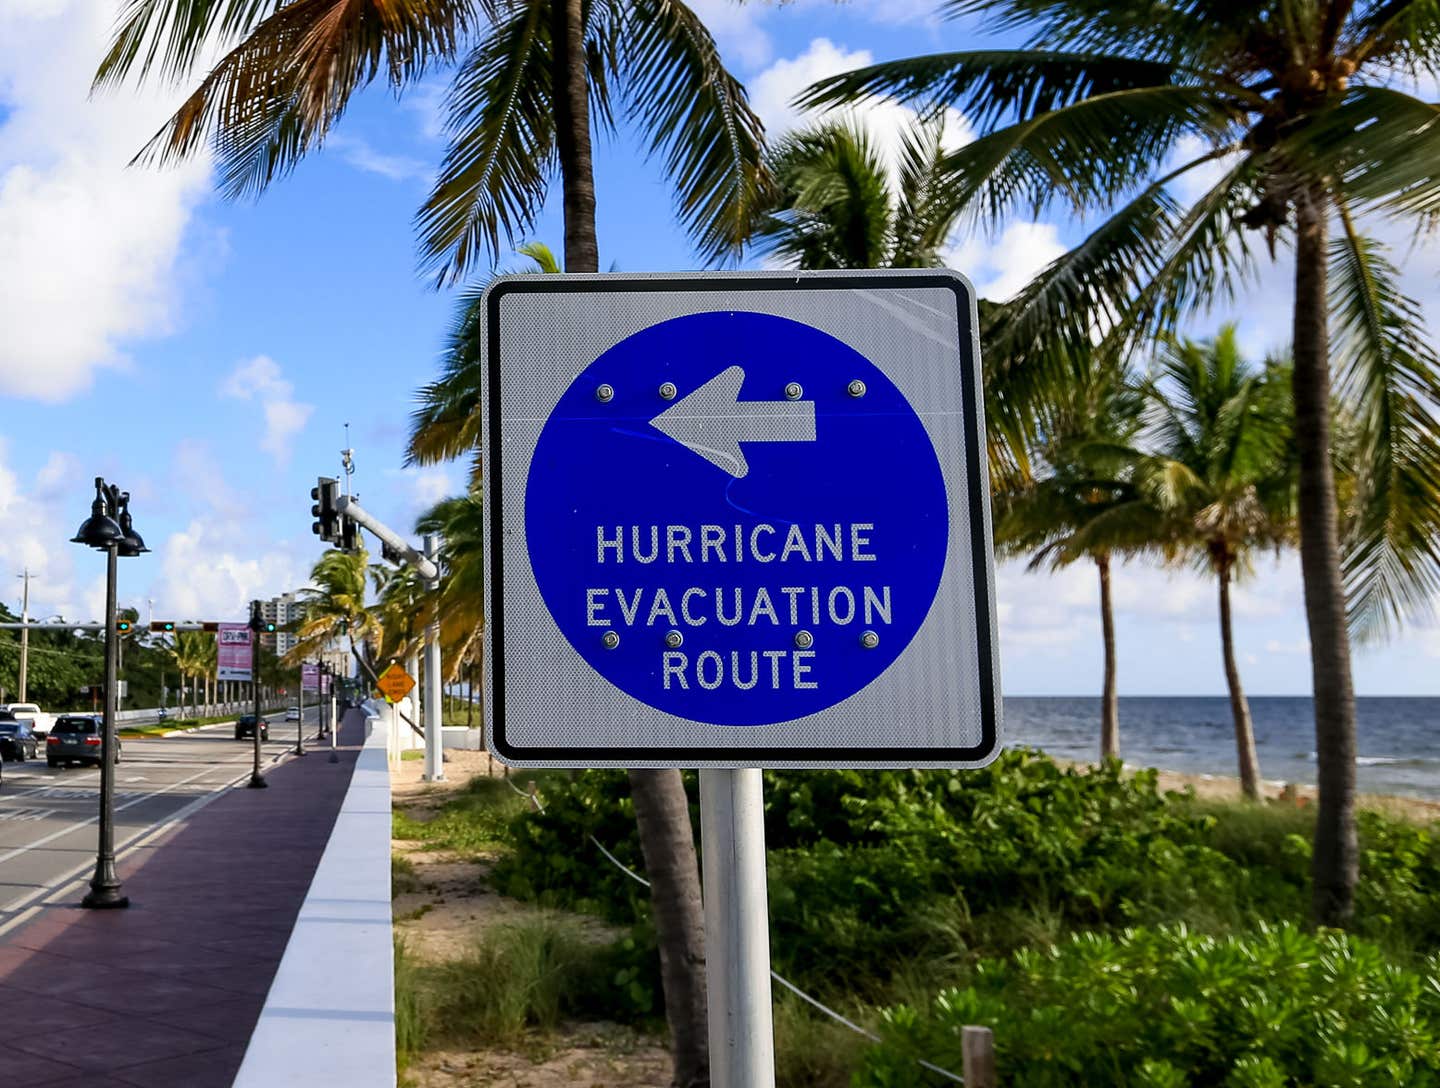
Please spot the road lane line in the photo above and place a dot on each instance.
(17, 851)
(140, 839)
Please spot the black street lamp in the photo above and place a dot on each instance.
(257, 624)
(110, 529)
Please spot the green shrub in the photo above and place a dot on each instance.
(1166, 1007)
(533, 972)
(412, 1012)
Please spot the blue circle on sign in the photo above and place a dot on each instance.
(736, 518)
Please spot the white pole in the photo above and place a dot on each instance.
(25, 636)
(434, 715)
(737, 929)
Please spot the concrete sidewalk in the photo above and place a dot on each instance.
(168, 992)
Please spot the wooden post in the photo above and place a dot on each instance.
(533, 791)
(977, 1049)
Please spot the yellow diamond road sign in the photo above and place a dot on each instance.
(395, 683)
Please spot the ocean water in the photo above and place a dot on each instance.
(1399, 738)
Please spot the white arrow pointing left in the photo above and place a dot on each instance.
(712, 421)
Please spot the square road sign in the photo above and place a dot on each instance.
(738, 520)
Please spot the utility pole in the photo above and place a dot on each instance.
(257, 624)
(24, 634)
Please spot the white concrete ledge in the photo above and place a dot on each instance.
(329, 1018)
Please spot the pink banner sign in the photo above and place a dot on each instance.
(310, 677)
(234, 655)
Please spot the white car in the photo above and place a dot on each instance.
(38, 719)
(293, 714)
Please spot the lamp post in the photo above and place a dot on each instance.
(330, 706)
(257, 624)
(110, 529)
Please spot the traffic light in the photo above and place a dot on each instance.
(391, 554)
(349, 534)
(162, 625)
(123, 626)
(258, 622)
(326, 494)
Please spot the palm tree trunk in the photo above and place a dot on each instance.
(1110, 699)
(1335, 864)
(668, 841)
(572, 131)
(664, 817)
(1239, 705)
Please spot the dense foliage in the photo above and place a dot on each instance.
(1108, 932)
(1167, 1008)
(877, 871)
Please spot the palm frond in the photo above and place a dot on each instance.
(1378, 147)
(502, 146)
(276, 94)
(1085, 153)
(166, 37)
(698, 119)
(1389, 378)
(990, 85)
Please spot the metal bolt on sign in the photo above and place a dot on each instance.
(605, 393)
(674, 639)
(804, 640)
(869, 640)
(856, 388)
(668, 391)
(610, 639)
(793, 391)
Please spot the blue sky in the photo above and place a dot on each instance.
(207, 355)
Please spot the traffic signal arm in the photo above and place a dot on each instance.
(353, 513)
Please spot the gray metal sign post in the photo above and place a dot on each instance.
(737, 521)
(434, 695)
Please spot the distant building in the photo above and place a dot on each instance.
(282, 611)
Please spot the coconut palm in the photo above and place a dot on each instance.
(447, 423)
(1086, 502)
(190, 656)
(838, 203)
(460, 523)
(336, 607)
(1223, 436)
(520, 106)
(1295, 122)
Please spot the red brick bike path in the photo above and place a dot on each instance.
(167, 992)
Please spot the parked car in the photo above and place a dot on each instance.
(76, 739)
(38, 719)
(18, 741)
(293, 714)
(245, 727)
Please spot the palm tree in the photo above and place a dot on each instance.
(337, 607)
(520, 105)
(1301, 113)
(1224, 436)
(837, 204)
(1086, 503)
(447, 423)
(460, 523)
(189, 654)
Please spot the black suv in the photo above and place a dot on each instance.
(76, 739)
(245, 727)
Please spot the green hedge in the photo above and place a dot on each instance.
(1167, 1008)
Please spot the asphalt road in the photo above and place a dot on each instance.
(48, 816)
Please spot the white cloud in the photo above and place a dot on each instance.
(359, 154)
(1001, 267)
(90, 246)
(36, 520)
(773, 91)
(203, 578)
(259, 379)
